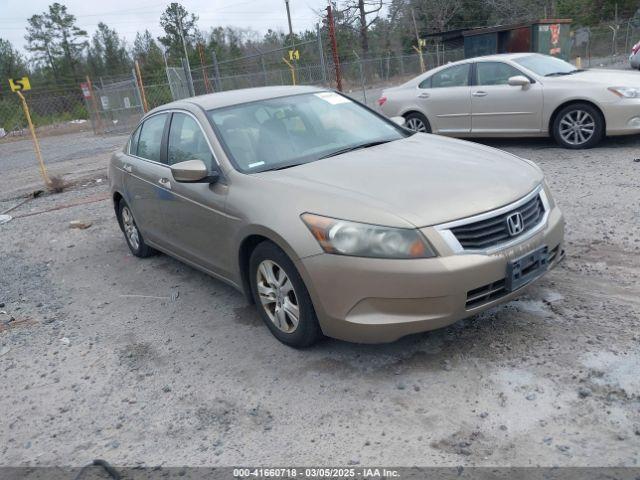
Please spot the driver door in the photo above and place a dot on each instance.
(498, 107)
(196, 222)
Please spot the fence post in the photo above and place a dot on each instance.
(187, 75)
(145, 105)
(321, 53)
(364, 90)
(138, 93)
(216, 71)
(264, 70)
(96, 112)
(36, 145)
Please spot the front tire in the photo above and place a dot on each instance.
(579, 125)
(132, 235)
(281, 297)
(417, 122)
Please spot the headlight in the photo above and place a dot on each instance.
(364, 240)
(626, 92)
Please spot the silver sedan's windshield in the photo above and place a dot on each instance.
(287, 131)
(546, 66)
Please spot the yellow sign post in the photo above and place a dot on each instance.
(293, 70)
(421, 43)
(19, 84)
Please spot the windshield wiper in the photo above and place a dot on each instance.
(355, 147)
(553, 74)
(285, 166)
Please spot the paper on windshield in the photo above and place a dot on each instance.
(332, 97)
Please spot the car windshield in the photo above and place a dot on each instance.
(546, 66)
(287, 131)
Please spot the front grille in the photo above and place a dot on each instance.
(493, 231)
(486, 294)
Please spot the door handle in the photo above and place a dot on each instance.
(127, 168)
(165, 183)
(423, 95)
(480, 93)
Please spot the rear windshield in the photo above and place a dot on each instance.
(285, 131)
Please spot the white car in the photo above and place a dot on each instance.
(634, 58)
(519, 95)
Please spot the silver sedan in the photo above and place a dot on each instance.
(634, 58)
(519, 95)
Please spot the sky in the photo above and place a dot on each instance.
(128, 16)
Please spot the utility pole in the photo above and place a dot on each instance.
(293, 46)
(334, 46)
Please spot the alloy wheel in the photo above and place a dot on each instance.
(278, 297)
(416, 125)
(130, 229)
(577, 127)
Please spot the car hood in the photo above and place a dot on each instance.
(609, 78)
(423, 180)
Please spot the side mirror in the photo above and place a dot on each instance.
(193, 171)
(519, 81)
(400, 121)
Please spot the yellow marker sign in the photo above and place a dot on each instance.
(422, 42)
(19, 84)
(294, 55)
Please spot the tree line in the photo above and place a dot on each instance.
(61, 53)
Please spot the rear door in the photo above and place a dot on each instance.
(498, 107)
(446, 98)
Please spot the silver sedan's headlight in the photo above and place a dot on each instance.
(364, 240)
(626, 92)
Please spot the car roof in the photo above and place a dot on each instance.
(235, 97)
(497, 56)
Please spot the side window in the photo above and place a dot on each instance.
(426, 83)
(457, 76)
(495, 73)
(133, 141)
(187, 142)
(150, 140)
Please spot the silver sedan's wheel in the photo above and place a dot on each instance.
(130, 229)
(416, 124)
(577, 127)
(278, 296)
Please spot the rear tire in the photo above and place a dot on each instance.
(579, 125)
(417, 122)
(132, 235)
(281, 297)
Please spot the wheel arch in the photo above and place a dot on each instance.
(411, 110)
(117, 197)
(555, 112)
(251, 238)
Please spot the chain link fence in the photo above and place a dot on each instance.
(117, 103)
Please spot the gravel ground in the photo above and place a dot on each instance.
(149, 362)
(57, 148)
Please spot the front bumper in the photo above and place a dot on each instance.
(623, 117)
(378, 300)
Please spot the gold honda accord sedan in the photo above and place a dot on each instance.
(331, 218)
